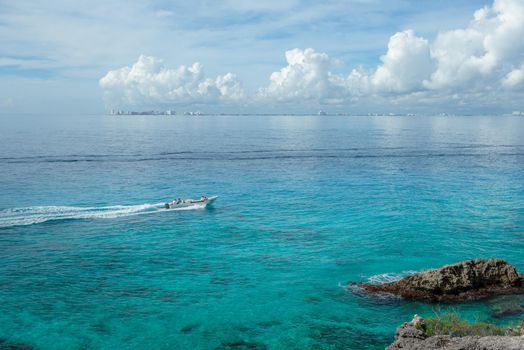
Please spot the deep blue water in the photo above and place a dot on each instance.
(89, 260)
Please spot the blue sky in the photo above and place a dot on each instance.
(53, 55)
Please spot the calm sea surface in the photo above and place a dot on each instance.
(90, 260)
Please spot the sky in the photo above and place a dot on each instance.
(273, 56)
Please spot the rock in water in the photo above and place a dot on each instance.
(409, 336)
(506, 306)
(466, 280)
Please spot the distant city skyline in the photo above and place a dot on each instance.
(288, 56)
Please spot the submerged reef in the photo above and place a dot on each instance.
(241, 345)
(466, 280)
(7, 345)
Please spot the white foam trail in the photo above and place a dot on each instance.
(34, 215)
(388, 277)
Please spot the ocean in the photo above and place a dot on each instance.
(89, 259)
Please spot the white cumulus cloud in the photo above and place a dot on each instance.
(306, 76)
(464, 66)
(484, 49)
(406, 64)
(514, 78)
(148, 82)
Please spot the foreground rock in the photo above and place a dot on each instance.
(409, 336)
(466, 280)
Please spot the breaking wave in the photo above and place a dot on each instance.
(389, 277)
(38, 214)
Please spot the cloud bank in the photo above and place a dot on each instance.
(480, 63)
(148, 82)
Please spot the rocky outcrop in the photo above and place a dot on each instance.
(466, 280)
(410, 336)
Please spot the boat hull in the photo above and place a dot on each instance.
(187, 203)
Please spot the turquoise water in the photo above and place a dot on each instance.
(89, 260)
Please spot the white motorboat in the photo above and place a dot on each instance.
(185, 203)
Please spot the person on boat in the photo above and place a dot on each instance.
(203, 198)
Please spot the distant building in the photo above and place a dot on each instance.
(321, 112)
(150, 112)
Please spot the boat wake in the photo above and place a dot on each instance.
(38, 214)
